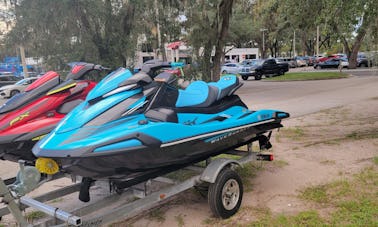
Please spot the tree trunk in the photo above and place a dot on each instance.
(224, 12)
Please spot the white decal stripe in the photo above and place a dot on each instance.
(214, 133)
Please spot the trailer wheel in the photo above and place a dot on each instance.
(225, 194)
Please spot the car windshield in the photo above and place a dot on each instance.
(21, 82)
(259, 62)
(248, 63)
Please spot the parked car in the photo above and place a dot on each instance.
(332, 63)
(232, 68)
(246, 68)
(8, 79)
(300, 61)
(290, 61)
(310, 60)
(9, 91)
(332, 56)
(267, 67)
(362, 61)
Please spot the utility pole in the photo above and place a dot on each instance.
(294, 44)
(317, 41)
(263, 45)
(158, 29)
(23, 62)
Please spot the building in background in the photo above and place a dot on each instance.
(6, 18)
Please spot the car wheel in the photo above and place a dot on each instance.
(14, 92)
(245, 77)
(282, 72)
(258, 76)
(224, 72)
(318, 67)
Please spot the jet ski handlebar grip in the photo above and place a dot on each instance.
(100, 67)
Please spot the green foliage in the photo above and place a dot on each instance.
(31, 216)
(294, 133)
(305, 218)
(316, 194)
(308, 76)
(157, 215)
(180, 220)
(107, 31)
(375, 160)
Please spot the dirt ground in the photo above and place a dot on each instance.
(312, 149)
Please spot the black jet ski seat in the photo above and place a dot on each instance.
(201, 94)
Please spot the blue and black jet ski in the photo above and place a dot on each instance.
(136, 127)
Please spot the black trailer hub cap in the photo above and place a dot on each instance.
(230, 194)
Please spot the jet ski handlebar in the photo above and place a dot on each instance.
(101, 68)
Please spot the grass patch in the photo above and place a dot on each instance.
(292, 133)
(280, 163)
(247, 172)
(34, 215)
(157, 215)
(328, 162)
(375, 160)
(58, 200)
(357, 135)
(295, 76)
(180, 220)
(316, 194)
(354, 203)
(305, 218)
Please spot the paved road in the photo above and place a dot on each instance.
(303, 97)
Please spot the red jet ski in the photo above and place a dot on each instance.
(29, 116)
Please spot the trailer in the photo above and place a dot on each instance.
(217, 176)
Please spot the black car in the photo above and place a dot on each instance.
(8, 80)
(362, 61)
(265, 67)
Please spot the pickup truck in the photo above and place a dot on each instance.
(266, 67)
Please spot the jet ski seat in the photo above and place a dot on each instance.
(201, 94)
(226, 85)
(197, 94)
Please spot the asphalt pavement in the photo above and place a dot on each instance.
(304, 97)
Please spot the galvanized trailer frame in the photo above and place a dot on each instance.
(126, 210)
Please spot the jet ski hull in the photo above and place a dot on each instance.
(145, 160)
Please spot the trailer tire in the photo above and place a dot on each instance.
(225, 194)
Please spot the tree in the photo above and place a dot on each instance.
(73, 30)
(207, 27)
(351, 21)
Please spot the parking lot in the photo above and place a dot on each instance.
(303, 97)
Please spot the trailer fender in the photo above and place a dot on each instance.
(211, 172)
